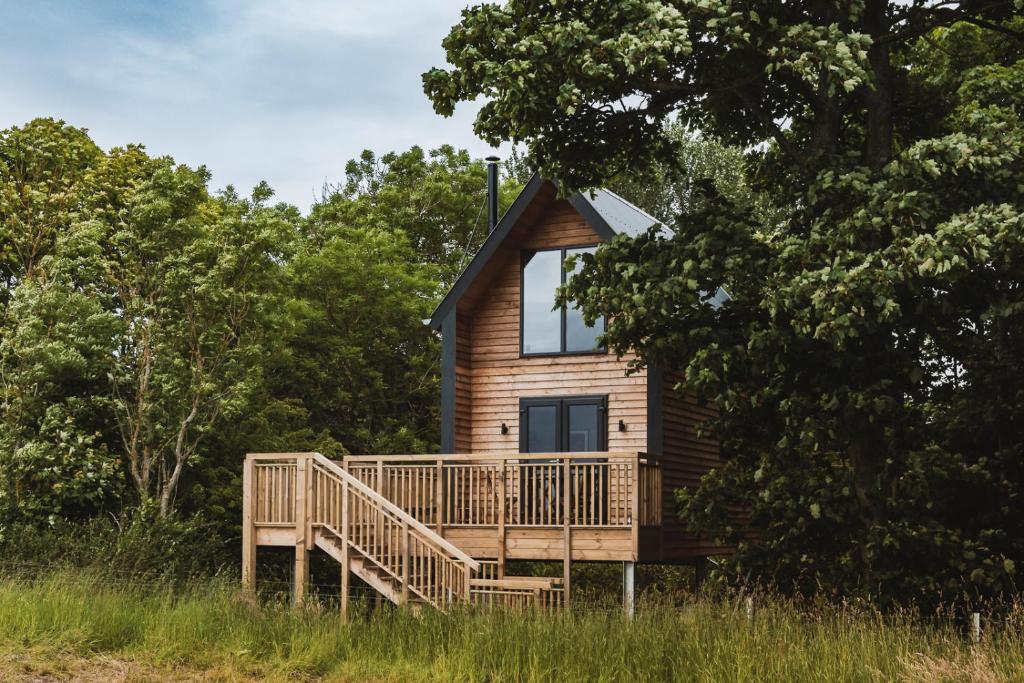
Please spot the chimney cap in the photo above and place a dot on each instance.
(493, 159)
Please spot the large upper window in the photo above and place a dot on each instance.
(545, 327)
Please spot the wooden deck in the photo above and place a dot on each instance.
(441, 527)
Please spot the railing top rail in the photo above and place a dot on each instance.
(489, 458)
(522, 582)
(283, 457)
(430, 535)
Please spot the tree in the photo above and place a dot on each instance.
(193, 283)
(53, 340)
(41, 166)
(379, 249)
(359, 358)
(53, 353)
(867, 340)
(437, 200)
(673, 189)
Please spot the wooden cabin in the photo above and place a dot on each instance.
(549, 450)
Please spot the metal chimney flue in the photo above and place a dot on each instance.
(492, 192)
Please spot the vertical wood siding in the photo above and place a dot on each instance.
(686, 458)
(463, 388)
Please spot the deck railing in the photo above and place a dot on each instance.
(398, 543)
(310, 492)
(600, 489)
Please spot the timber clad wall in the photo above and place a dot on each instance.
(463, 390)
(685, 458)
(498, 377)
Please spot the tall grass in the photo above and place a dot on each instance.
(210, 625)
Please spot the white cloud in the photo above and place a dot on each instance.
(254, 89)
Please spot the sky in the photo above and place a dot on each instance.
(270, 90)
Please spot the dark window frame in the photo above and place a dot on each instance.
(562, 418)
(523, 257)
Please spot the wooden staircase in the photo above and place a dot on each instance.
(404, 560)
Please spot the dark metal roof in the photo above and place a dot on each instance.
(618, 214)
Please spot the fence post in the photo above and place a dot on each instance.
(405, 563)
(501, 520)
(749, 606)
(302, 463)
(567, 531)
(248, 526)
(976, 627)
(346, 566)
(439, 495)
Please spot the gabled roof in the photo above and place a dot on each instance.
(614, 212)
(606, 212)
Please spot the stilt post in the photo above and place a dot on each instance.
(629, 588)
(302, 468)
(346, 565)
(700, 572)
(567, 531)
(248, 526)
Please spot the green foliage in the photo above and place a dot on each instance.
(671, 189)
(436, 199)
(361, 360)
(42, 165)
(153, 332)
(864, 367)
(138, 545)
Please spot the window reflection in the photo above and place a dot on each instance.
(542, 275)
(547, 329)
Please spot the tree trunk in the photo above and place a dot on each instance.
(181, 453)
(866, 453)
(878, 150)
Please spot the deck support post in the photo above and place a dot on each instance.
(248, 528)
(302, 474)
(439, 495)
(501, 520)
(346, 565)
(406, 567)
(629, 588)
(700, 572)
(567, 531)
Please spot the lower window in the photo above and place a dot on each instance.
(563, 425)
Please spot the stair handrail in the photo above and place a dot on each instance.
(427, 534)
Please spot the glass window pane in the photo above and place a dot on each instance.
(584, 431)
(542, 436)
(579, 336)
(542, 275)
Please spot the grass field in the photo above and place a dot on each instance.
(76, 626)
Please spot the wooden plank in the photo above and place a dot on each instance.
(635, 507)
(611, 455)
(406, 565)
(502, 497)
(346, 560)
(301, 551)
(275, 535)
(567, 532)
(248, 530)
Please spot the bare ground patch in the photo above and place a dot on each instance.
(42, 666)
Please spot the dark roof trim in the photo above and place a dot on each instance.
(486, 251)
(581, 203)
